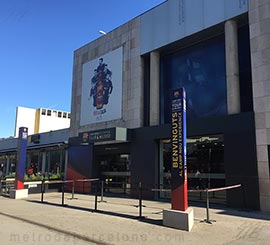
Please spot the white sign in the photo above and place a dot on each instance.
(102, 88)
(32, 186)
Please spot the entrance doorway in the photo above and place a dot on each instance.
(115, 172)
(205, 164)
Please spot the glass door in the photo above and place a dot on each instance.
(115, 171)
(205, 164)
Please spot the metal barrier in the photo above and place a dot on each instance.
(83, 181)
(62, 182)
(140, 196)
(6, 185)
(95, 188)
(207, 220)
(99, 185)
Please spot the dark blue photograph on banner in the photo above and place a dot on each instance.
(201, 70)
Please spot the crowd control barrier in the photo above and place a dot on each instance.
(61, 182)
(207, 220)
(6, 185)
(98, 190)
(80, 181)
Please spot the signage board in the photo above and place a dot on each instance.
(179, 150)
(21, 158)
(104, 135)
(101, 98)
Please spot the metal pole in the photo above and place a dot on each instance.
(140, 199)
(95, 197)
(207, 220)
(63, 193)
(207, 207)
(101, 193)
(209, 168)
(42, 189)
(244, 196)
(73, 188)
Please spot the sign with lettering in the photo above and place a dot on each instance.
(21, 158)
(104, 135)
(179, 150)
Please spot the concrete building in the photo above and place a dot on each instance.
(40, 120)
(47, 152)
(121, 95)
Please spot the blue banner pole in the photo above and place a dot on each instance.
(179, 199)
(21, 158)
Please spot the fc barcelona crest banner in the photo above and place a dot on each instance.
(102, 88)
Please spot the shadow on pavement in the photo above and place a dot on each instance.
(218, 209)
(88, 209)
(253, 214)
(143, 219)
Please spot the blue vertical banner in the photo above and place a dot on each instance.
(21, 158)
(179, 150)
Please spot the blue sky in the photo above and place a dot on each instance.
(37, 41)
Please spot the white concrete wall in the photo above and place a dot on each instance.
(53, 122)
(25, 117)
(259, 18)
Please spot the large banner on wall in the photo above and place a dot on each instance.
(102, 88)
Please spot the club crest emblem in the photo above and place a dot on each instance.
(101, 86)
(176, 94)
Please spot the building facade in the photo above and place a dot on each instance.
(121, 94)
(40, 120)
(218, 51)
(47, 155)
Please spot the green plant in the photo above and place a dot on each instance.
(10, 175)
(55, 176)
(32, 177)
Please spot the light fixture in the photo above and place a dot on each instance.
(102, 32)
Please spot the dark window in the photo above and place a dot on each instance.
(200, 69)
(245, 69)
(146, 90)
(43, 112)
(205, 165)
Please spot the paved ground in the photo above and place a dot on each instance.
(28, 221)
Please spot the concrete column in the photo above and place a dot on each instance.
(154, 88)
(259, 19)
(232, 67)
